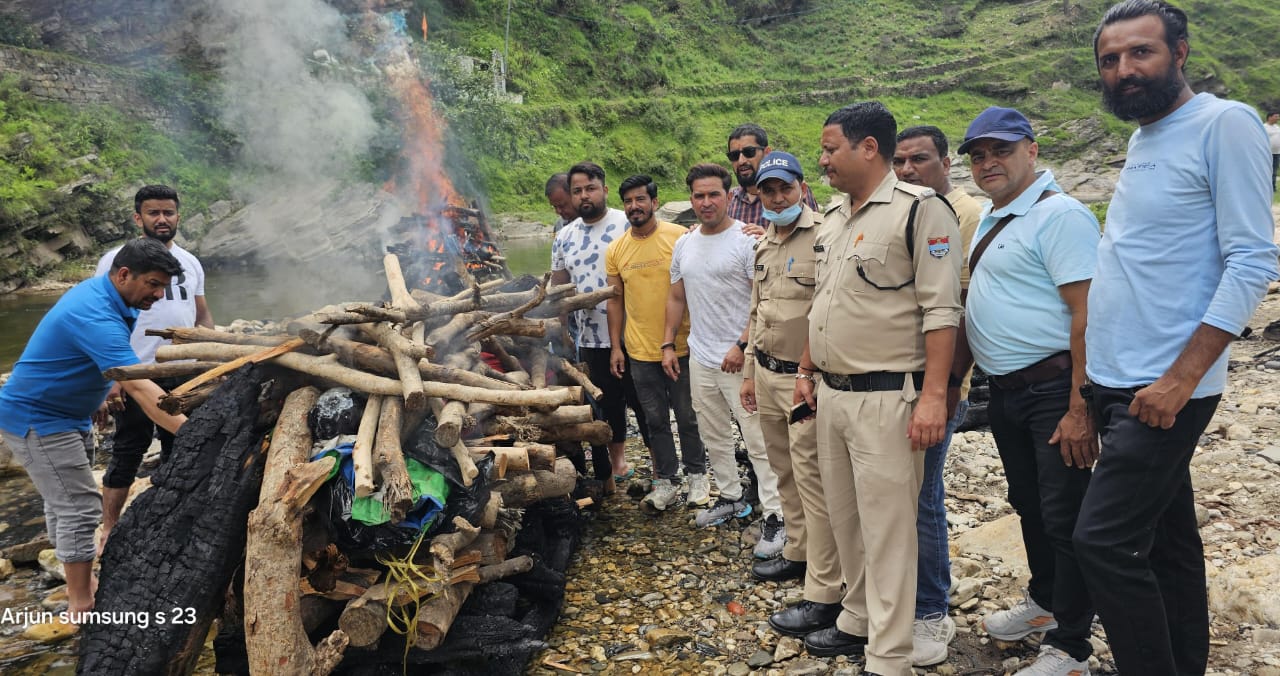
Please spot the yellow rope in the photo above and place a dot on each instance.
(404, 576)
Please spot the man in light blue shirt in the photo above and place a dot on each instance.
(1185, 260)
(1029, 269)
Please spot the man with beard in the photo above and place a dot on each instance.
(557, 192)
(881, 337)
(155, 211)
(58, 384)
(1024, 324)
(639, 264)
(748, 144)
(711, 273)
(1191, 213)
(577, 256)
(921, 159)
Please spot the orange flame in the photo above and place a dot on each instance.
(424, 26)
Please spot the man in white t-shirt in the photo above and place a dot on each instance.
(577, 256)
(711, 274)
(155, 210)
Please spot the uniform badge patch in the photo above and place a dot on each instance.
(939, 246)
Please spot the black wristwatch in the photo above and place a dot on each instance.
(742, 345)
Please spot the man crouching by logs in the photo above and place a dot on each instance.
(58, 385)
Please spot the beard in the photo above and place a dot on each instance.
(1153, 97)
(747, 181)
(638, 217)
(589, 210)
(162, 237)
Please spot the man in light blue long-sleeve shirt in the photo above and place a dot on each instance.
(1184, 261)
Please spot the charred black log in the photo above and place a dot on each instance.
(174, 551)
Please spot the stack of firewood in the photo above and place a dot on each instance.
(416, 356)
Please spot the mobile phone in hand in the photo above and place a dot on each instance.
(801, 411)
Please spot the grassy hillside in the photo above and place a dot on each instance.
(655, 87)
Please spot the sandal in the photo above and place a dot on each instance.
(619, 478)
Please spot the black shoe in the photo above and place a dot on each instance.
(804, 618)
(778, 569)
(831, 641)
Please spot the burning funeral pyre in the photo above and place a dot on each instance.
(377, 487)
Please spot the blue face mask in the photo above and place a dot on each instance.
(783, 218)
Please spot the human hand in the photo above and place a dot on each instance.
(617, 362)
(1077, 440)
(733, 361)
(1158, 404)
(747, 393)
(928, 423)
(671, 363)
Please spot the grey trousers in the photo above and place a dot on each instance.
(59, 466)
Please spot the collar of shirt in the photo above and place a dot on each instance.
(740, 194)
(806, 219)
(1026, 199)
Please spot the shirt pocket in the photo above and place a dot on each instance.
(875, 270)
(801, 278)
(762, 275)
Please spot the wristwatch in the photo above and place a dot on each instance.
(742, 345)
(806, 376)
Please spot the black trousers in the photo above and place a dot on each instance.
(618, 394)
(1046, 494)
(134, 432)
(1137, 539)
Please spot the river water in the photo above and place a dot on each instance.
(252, 294)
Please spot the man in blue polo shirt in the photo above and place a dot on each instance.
(1185, 260)
(1030, 264)
(58, 384)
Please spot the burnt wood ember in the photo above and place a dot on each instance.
(175, 549)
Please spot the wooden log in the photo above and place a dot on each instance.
(376, 312)
(596, 432)
(393, 340)
(541, 456)
(510, 458)
(571, 372)
(186, 403)
(200, 334)
(492, 547)
(449, 421)
(536, 328)
(177, 369)
(507, 322)
(521, 489)
(437, 615)
(565, 415)
(514, 566)
(579, 301)
(400, 298)
(480, 412)
(538, 359)
(466, 466)
(362, 451)
(327, 367)
(445, 547)
(255, 358)
(378, 360)
(275, 636)
(445, 336)
(388, 460)
(512, 365)
(489, 516)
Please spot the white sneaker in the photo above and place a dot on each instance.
(1021, 620)
(773, 537)
(699, 490)
(1054, 662)
(930, 636)
(663, 494)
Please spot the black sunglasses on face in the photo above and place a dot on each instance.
(749, 151)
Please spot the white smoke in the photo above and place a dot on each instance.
(295, 127)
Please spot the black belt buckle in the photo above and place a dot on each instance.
(774, 364)
(880, 381)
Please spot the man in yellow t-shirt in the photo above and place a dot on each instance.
(639, 263)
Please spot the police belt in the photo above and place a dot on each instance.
(880, 381)
(774, 364)
(1044, 370)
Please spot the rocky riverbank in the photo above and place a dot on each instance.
(655, 595)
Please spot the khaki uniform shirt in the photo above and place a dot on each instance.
(782, 292)
(970, 212)
(855, 327)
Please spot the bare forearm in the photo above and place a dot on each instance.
(148, 394)
(615, 311)
(1204, 348)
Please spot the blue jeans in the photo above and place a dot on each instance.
(933, 560)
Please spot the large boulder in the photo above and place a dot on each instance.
(1246, 592)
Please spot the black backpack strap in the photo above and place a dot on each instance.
(911, 223)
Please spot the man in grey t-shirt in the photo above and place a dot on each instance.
(711, 274)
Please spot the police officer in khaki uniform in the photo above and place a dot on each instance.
(779, 327)
(881, 335)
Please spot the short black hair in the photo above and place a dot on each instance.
(154, 192)
(558, 181)
(939, 138)
(638, 181)
(145, 255)
(707, 170)
(1174, 20)
(750, 129)
(867, 118)
(591, 169)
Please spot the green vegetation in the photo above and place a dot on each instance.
(655, 87)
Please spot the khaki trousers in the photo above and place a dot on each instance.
(793, 454)
(869, 470)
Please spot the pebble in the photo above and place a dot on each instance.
(788, 647)
(1264, 636)
(761, 658)
(6, 568)
(51, 565)
(805, 668)
(50, 632)
(665, 638)
(739, 669)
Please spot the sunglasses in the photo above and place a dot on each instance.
(749, 151)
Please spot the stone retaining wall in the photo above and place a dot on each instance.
(55, 77)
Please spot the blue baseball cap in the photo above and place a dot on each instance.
(1005, 124)
(778, 164)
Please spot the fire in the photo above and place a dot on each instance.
(424, 26)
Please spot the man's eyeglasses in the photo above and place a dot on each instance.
(749, 151)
